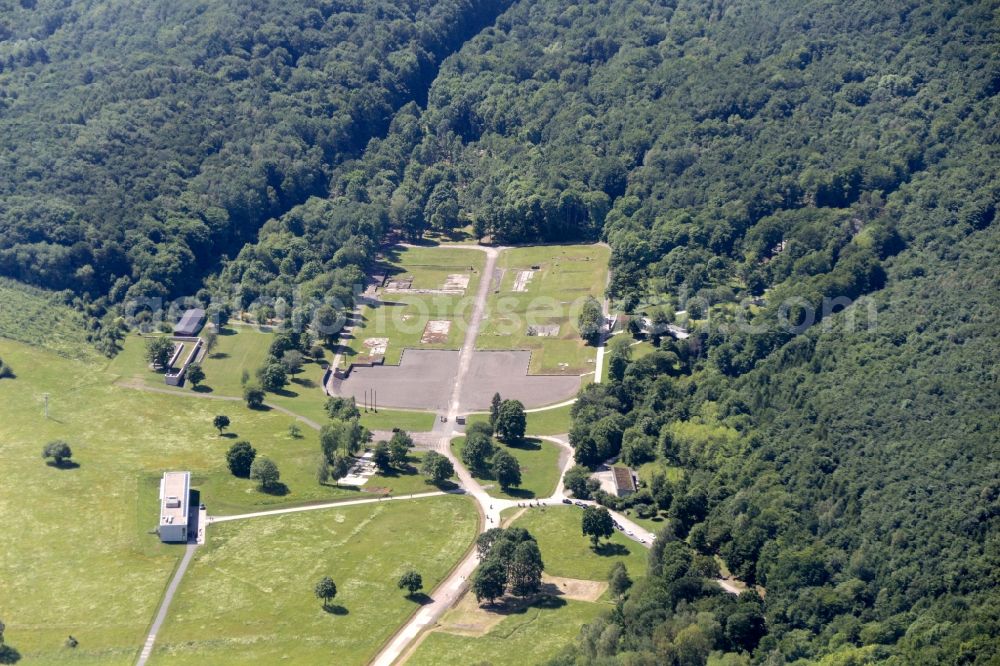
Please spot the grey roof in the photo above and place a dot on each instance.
(191, 320)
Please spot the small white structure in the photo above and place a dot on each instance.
(175, 487)
(361, 470)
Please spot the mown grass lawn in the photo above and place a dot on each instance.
(401, 317)
(248, 595)
(566, 552)
(539, 461)
(566, 275)
(244, 348)
(546, 423)
(79, 556)
(532, 636)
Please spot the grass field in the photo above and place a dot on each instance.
(40, 318)
(248, 596)
(641, 348)
(531, 636)
(539, 461)
(547, 422)
(567, 274)
(566, 552)
(401, 317)
(79, 558)
(244, 348)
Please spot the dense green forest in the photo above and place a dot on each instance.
(737, 155)
(736, 152)
(142, 141)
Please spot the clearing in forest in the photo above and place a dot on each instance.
(537, 301)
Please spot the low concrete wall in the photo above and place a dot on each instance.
(371, 363)
(176, 378)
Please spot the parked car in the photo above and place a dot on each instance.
(567, 500)
(581, 505)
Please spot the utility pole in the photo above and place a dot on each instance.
(375, 401)
(45, 396)
(366, 400)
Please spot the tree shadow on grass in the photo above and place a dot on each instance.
(548, 601)
(609, 549)
(527, 444)
(285, 393)
(517, 605)
(278, 489)
(9, 655)
(201, 388)
(227, 330)
(335, 609)
(65, 464)
(218, 355)
(520, 493)
(304, 382)
(446, 486)
(229, 435)
(419, 598)
(260, 408)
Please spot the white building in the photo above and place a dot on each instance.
(174, 490)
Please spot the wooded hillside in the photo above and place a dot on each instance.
(737, 155)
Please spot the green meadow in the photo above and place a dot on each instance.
(552, 297)
(81, 557)
(248, 596)
(400, 318)
(539, 462)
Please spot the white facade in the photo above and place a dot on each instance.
(175, 487)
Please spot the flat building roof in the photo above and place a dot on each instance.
(174, 490)
(623, 478)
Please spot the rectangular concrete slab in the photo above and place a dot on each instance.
(425, 378)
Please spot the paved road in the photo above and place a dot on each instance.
(451, 588)
(161, 614)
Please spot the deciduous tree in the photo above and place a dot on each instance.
(511, 421)
(265, 472)
(597, 523)
(618, 579)
(240, 457)
(292, 361)
(591, 320)
(489, 581)
(254, 396)
(437, 467)
(495, 410)
(220, 422)
(411, 581)
(195, 374)
(272, 376)
(382, 457)
(326, 590)
(525, 570)
(477, 452)
(506, 469)
(159, 349)
(59, 451)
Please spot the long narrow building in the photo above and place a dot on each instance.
(175, 487)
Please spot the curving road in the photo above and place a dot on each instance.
(448, 592)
